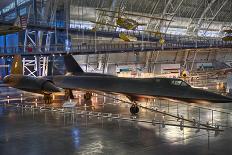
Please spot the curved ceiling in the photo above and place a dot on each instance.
(189, 15)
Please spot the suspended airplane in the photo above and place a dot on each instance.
(135, 89)
(129, 24)
(123, 36)
(127, 38)
(228, 35)
(8, 28)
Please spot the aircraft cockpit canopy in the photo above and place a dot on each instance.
(178, 82)
(167, 81)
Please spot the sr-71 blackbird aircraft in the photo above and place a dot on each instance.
(134, 88)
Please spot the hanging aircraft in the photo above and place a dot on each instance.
(8, 28)
(122, 36)
(127, 23)
(127, 38)
(228, 35)
(134, 88)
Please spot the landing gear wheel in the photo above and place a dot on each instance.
(87, 96)
(68, 94)
(47, 98)
(134, 109)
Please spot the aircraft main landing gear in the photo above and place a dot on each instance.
(68, 94)
(87, 96)
(134, 109)
(47, 98)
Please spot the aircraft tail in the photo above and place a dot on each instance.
(53, 69)
(17, 66)
(71, 65)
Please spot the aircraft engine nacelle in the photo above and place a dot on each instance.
(31, 84)
(45, 85)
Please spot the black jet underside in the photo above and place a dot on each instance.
(140, 88)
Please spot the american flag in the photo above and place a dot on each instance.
(23, 20)
(29, 47)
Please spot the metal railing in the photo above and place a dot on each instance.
(99, 48)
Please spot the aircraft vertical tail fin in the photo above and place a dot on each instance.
(53, 69)
(71, 65)
(17, 66)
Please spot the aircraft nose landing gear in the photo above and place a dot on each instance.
(88, 96)
(134, 109)
(47, 98)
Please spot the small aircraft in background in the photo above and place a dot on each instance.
(228, 35)
(124, 22)
(127, 38)
(8, 28)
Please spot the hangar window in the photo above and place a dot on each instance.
(10, 16)
(23, 11)
(8, 7)
(20, 2)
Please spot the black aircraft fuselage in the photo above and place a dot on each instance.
(31, 84)
(136, 88)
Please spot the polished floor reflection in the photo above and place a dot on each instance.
(33, 131)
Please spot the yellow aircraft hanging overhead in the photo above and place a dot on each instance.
(124, 22)
(127, 38)
(128, 24)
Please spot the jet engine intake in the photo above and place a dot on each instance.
(47, 86)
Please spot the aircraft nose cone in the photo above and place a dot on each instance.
(212, 97)
(50, 87)
(220, 98)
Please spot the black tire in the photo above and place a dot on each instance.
(134, 110)
(87, 96)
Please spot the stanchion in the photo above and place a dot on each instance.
(8, 99)
(21, 98)
(212, 117)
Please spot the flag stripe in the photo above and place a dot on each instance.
(23, 22)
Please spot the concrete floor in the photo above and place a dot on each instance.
(32, 132)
